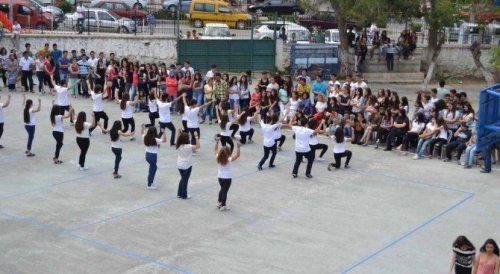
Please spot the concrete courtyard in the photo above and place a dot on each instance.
(387, 214)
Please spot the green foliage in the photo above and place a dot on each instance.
(165, 15)
(495, 57)
(442, 15)
(416, 27)
(65, 6)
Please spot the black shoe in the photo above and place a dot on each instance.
(272, 166)
(485, 171)
(346, 166)
(309, 176)
(387, 149)
(330, 167)
(259, 167)
(294, 176)
(1, 146)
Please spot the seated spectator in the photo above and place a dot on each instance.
(320, 108)
(398, 130)
(372, 126)
(462, 136)
(425, 138)
(440, 139)
(305, 105)
(470, 151)
(359, 129)
(303, 87)
(452, 117)
(385, 127)
(417, 127)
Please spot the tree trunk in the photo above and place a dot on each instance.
(433, 52)
(344, 47)
(475, 49)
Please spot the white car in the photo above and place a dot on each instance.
(265, 31)
(130, 3)
(216, 31)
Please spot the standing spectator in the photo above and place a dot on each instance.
(13, 71)
(16, 34)
(389, 55)
(350, 37)
(151, 19)
(83, 73)
(80, 10)
(56, 56)
(40, 74)
(63, 66)
(27, 64)
(441, 90)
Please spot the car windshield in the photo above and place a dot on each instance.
(114, 14)
(300, 35)
(216, 32)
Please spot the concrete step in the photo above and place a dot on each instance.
(373, 65)
(394, 77)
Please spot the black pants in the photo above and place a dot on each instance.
(183, 183)
(1, 130)
(338, 158)
(389, 57)
(245, 134)
(226, 140)
(59, 136)
(394, 135)
(127, 122)
(27, 78)
(40, 76)
(63, 111)
(83, 144)
(192, 131)
(408, 139)
(433, 143)
(46, 79)
(4, 76)
(83, 89)
(98, 116)
(234, 128)
(118, 158)
(281, 140)
(225, 184)
(382, 134)
(460, 146)
(298, 160)
(152, 117)
(170, 127)
(323, 147)
(272, 149)
(184, 126)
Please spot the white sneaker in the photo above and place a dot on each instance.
(83, 168)
(224, 208)
(188, 197)
(416, 157)
(152, 187)
(321, 159)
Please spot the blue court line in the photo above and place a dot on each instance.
(406, 235)
(160, 202)
(95, 243)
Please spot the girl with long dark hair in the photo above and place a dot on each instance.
(463, 258)
(487, 261)
(314, 141)
(185, 161)
(441, 138)
(2, 106)
(225, 171)
(269, 143)
(225, 126)
(302, 148)
(246, 130)
(339, 149)
(244, 88)
(126, 105)
(116, 145)
(411, 137)
(152, 143)
(98, 106)
(82, 128)
(30, 122)
(198, 88)
(153, 109)
(191, 111)
(164, 115)
(56, 119)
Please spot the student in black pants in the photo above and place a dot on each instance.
(225, 171)
(98, 108)
(268, 142)
(56, 120)
(82, 128)
(116, 146)
(339, 149)
(29, 121)
(246, 130)
(314, 142)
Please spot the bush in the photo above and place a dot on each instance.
(416, 27)
(65, 6)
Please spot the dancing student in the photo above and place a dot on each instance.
(302, 148)
(2, 106)
(153, 109)
(191, 110)
(62, 96)
(185, 161)
(98, 107)
(225, 126)
(164, 115)
(225, 170)
(225, 108)
(182, 111)
(56, 119)
(246, 130)
(339, 149)
(127, 112)
(279, 137)
(152, 144)
(116, 145)
(314, 142)
(269, 142)
(82, 128)
(464, 256)
(30, 122)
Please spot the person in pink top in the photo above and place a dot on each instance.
(487, 261)
(110, 76)
(172, 86)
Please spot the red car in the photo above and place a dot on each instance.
(122, 9)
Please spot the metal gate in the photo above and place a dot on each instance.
(228, 55)
(315, 57)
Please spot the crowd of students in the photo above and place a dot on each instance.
(466, 260)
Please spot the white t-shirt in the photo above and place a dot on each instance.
(80, 11)
(117, 143)
(245, 92)
(274, 86)
(313, 140)
(58, 124)
(26, 63)
(153, 107)
(449, 115)
(246, 126)
(443, 134)
(277, 132)
(210, 74)
(127, 113)
(294, 105)
(268, 132)
(185, 157)
(234, 93)
(338, 147)
(362, 85)
(62, 96)
(321, 107)
(226, 131)
(225, 172)
(302, 135)
(85, 131)
(32, 118)
(416, 126)
(39, 65)
(192, 117)
(98, 106)
(153, 149)
(16, 29)
(164, 111)
(1, 113)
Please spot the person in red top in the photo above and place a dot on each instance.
(255, 98)
(172, 86)
(49, 67)
(135, 84)
(110, 76)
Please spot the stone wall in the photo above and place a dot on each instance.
(145, 48)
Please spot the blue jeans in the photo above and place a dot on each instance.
(183, 183)
(233, 102)
(422, 146)
(151, 158)
(133, 92)
(198, 95)
(208, 112)
(31, 135)
(80, 22)
(63, 76)
(469, 154)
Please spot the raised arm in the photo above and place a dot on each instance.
(216, 147)
(39, 106)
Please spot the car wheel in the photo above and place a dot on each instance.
(198, 23)
(172, 8)
(240, 24)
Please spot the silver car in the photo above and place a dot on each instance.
(55, 11)
(101, 20)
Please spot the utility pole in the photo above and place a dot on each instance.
(11, 12)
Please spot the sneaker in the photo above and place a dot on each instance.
(209, 122)
(224, 208)
(309, 176)
(251, 142)
(467, 166)
(330, 166)
(321, 159)
(259, 167)
(187, 197)
(346, 166)
(1, 146)
(416, 157)
(279, 149)
(294, 176)
(387, 149)
(117, 176)
(71, 124)
(153, 187)
(83, 168)
(272, 166)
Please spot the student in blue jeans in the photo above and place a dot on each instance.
(152, 144)
(30, 122)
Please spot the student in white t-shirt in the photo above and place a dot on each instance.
(82, 128)
(339, 149)
(116, 145)
(246, 130)
(62, 95)
(127, 107)
(2, 106)
(30, 121)
(185, 161)
(269, 141)
(164, 115)
(152, 144)
(225, 171)
(56, 120)
(98, 106)
(191, 111)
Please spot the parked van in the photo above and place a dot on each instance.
(28, 17)
(215, 11)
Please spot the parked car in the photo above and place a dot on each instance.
(171, 5)
(281, 7)
(122, 9)
(101, 20)
(216, 31)
(324, 20)
(332, 36)
(131, 3)
(27, 16)
(265, 30)
(56, 12)
(213, 11)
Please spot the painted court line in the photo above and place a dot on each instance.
(95, 243)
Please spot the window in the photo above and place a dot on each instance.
(24, 10)
(199, 7)
(105, 16)
(108, 6)
(209, 7)
(4, 8)
(119, 6)
(224, 9)
(90, 15)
